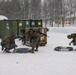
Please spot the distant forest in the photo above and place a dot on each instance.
(37, 9)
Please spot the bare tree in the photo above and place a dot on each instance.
(45, 11)
(10, 9)
(35, 9)
(52, 10)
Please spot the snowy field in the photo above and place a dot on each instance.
(44, 62)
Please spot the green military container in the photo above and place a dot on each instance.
(39, 23)
(7, 27)
(20, 25)
(33, 23)
(13, 27)
(27, 23)
(4, 27)
(36, 23)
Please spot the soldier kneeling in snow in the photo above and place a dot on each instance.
(73, 41)
(73, 37)
(8, 42)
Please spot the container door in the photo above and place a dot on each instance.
(20, 25)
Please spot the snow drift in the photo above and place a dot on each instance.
(3, 17)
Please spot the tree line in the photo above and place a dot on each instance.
(38, 9)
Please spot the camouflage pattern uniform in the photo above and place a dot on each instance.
(73, 37)
(23, 38)
(8, 42)
(73, 41)
(12, 40)
(34, 39)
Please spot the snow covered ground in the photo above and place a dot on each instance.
(44, 62)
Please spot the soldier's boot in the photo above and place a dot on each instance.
(7, 51)
(2, 48)
(32, 50)
(36, 49)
